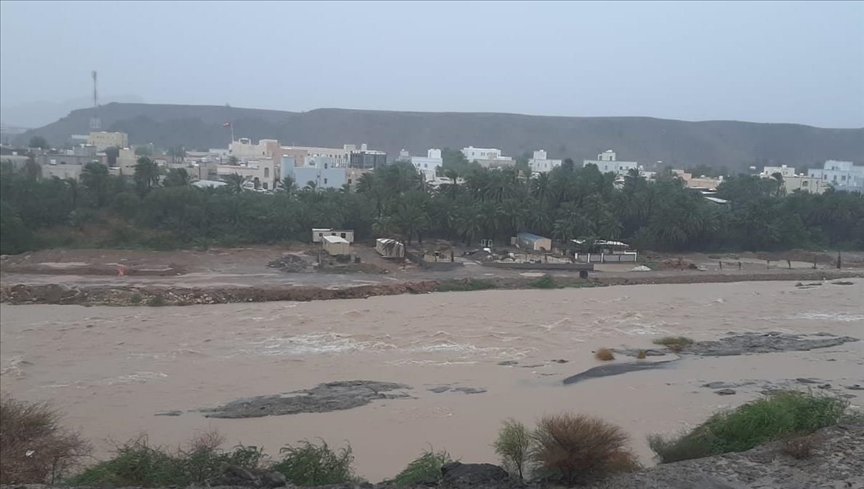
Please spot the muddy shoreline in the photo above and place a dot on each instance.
(162, 295)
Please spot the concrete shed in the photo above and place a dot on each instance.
(336, 245)
(533, 242)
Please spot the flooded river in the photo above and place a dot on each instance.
(112, 369)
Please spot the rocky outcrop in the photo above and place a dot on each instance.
(772, 342)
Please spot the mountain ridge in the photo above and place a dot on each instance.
(731, 144)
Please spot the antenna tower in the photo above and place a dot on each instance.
(95, 122)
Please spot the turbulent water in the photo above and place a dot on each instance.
(112, 369)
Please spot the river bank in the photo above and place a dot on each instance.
(164, 294)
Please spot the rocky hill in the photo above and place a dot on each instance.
(735, 145)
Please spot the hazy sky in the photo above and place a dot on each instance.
(776, 61)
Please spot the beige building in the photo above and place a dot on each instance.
(804, 183)
(353, 175)
(261, 171)
(104, 140)
(703, 182)
(126, 161)
(62, 171)
(335, 245)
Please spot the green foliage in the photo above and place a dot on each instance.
(467, 285)
(39, 142)
(545, 282)
(156, 301)
(393, 201)
(177, 177)
(135, 298)
(777, 416)
(513, 447)
(137, 463)
(423, 470)
(308, 464)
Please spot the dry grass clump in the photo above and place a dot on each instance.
(34, 447)
(604, 355)
(573, 449)
(801, 447)
(641, 355)
(674, 343)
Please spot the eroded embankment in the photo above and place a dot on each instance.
(167, 295)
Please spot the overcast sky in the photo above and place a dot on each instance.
(796, 62)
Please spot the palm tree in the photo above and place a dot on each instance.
(146, 175)
(287, 185)
(234, 182)
(177, 177)
(94, 178)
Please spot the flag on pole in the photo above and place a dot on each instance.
(227, 124)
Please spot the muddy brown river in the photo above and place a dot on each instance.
(112, 369)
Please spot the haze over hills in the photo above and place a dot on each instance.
(735, 145)
(37, 114)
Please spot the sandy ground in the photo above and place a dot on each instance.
(247, 267)
(113, 369)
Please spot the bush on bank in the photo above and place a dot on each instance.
(774, 417)
(34, 447)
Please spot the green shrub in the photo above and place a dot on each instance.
(137, 463)
(308, 464)
(573, 449)
(545, 282)
(424, 469)
(156, 301)
(34, 447)
(674, 343)
(513, 446)
(135, 298)
(467, 285)
(777, 416)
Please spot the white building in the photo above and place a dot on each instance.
(428, 165)
(843, 175)
(607, 162)
(487, 157)
(541, 164)
(783, 170)
(103, 140)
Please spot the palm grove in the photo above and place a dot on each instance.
(159, 211)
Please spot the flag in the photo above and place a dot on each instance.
(227, 124)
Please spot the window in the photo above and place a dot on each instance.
(804, 183)
(265, 185)
(266, 173)
(343, 235)
(325, 181)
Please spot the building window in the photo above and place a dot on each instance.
(266, 173)
(325, 181)
(265, 185)
(343, 235)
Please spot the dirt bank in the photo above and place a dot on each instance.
(161, 295)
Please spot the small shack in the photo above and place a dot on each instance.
(336, 245)
(389, 248)
(533, 242)
(319, 233)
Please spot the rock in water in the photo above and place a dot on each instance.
(333, 396)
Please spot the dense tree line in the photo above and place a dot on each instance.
(161, 210)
